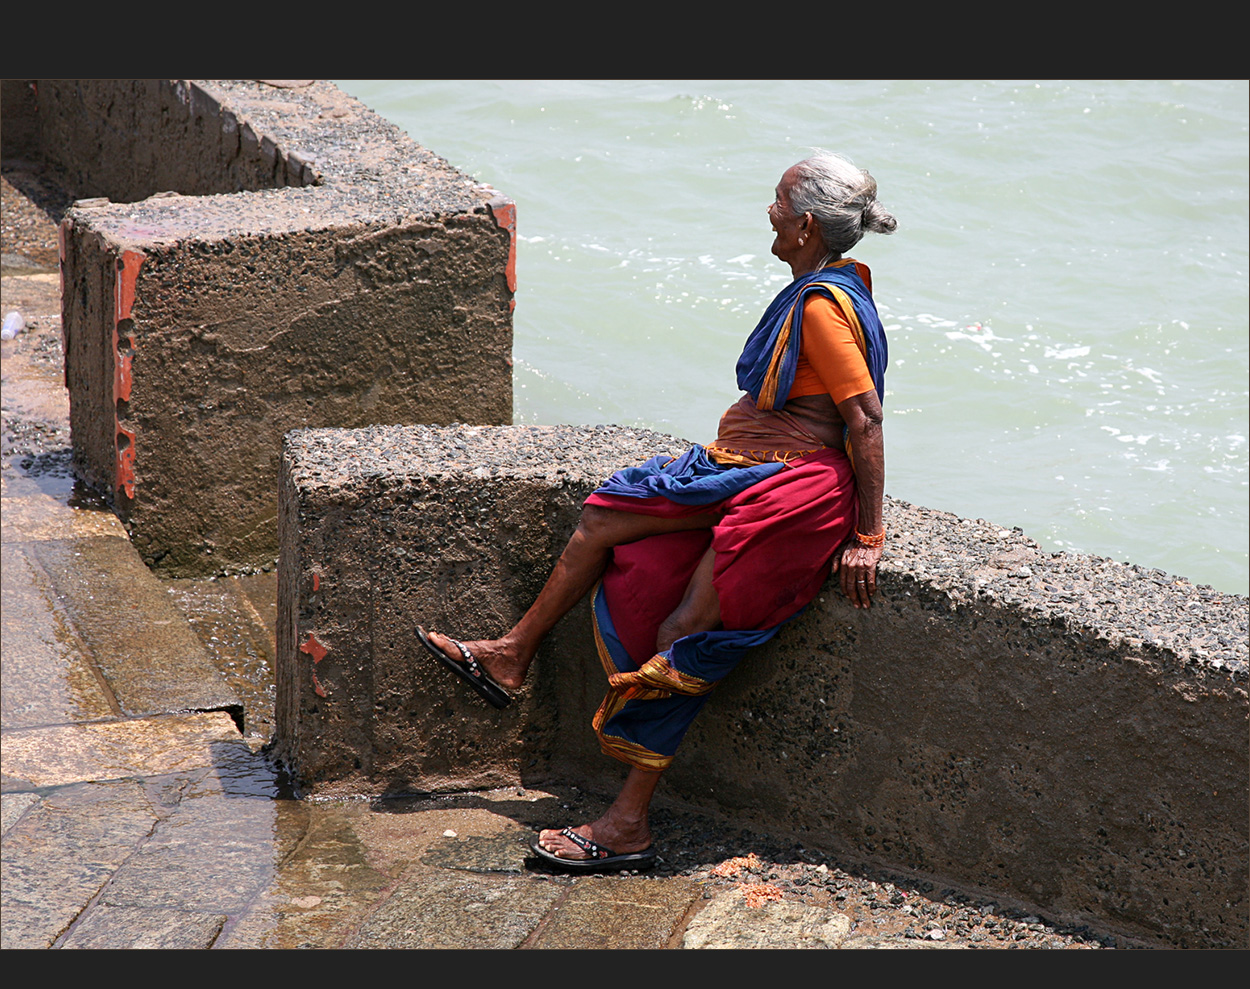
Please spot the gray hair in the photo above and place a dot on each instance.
(842, 198)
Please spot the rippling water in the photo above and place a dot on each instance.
(1066, 295)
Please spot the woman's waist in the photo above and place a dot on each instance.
(748, 435)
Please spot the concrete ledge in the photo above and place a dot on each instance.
(1066, 731)
(273, 257)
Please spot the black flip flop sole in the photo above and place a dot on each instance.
(485, 687)
(614, 863)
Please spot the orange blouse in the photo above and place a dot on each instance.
(830, 361)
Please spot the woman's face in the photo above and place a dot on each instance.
(786, 225)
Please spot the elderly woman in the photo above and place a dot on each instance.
(695, 560)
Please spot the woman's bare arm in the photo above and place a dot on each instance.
(858, 563)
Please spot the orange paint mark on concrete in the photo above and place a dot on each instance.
(123, 302)
(316, 582)
(318, 652)
(126, 461)
(127, 275)
(122, 378)
(504, 212)
(314, 649)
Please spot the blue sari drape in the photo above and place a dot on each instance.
(771, 354)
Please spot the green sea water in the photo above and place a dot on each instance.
(1065, 297)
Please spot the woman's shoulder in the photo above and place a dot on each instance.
(861, 269)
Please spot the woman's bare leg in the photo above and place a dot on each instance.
(699, 610)
(582, 563)
(624, 827)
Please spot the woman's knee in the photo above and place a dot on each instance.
(683, 622)
(598, 525)
(698, 614)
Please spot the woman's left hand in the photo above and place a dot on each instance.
(858, 564)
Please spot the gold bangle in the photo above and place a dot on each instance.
(872, 542)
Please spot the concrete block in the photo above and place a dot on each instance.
(454, 528)
(364, 280)
(1066, 732)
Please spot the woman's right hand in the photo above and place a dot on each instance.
(858, 565)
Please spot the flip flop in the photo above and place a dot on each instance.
(469, 670)
(602, 859)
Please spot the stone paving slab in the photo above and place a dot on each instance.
(729, 921)
(322, 891)
(143, 646)
(237, 641)
(109, 750)
(13, 806)
(61, 852)
(48, 675)
(435, 909)
(214, 855)
(219, 845)
(602, 912)
(37, 508)
(140, 927)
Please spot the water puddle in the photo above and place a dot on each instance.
(234, 618)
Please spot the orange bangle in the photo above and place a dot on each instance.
(872, 542)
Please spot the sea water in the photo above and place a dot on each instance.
(1065, 297)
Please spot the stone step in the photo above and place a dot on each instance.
(88, 631)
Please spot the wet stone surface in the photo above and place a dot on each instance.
(601, 912)
(437, 910)
(501, 853)
(62, 853)
(233, 618)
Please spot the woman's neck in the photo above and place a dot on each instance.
(801, 268)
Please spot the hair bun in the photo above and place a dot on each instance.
(878, 219)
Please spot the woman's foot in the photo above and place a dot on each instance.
(620, 835)
(499, 660)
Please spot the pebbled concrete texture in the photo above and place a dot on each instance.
(994, 719)
(272, 258)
